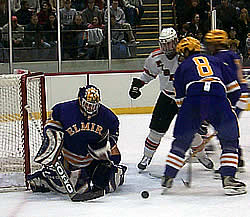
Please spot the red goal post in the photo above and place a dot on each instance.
(20, 135)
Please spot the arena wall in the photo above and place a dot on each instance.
(114, 86)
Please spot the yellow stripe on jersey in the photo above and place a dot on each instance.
(179, 101)
(76, 160)
(233, 86)
(54, 123)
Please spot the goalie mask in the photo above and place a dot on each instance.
(168, 40)
(89, 98)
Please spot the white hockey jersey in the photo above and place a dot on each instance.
(156, 64)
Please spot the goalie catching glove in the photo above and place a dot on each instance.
(101, 149)
(51, 147)
(134, 91)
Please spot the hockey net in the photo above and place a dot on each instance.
(20, 130)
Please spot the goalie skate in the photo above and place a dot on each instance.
(204, 160)
(232, 186)
(144, 163)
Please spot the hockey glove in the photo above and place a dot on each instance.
(101, 149)
(134, 91)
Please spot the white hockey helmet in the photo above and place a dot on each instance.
(168, 40)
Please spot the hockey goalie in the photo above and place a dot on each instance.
(80, 139)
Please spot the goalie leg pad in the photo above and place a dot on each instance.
(117, 178)
(45, 180)
(51, 147)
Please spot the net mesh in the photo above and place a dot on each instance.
(12, 153)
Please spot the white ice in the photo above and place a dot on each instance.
(205, 197)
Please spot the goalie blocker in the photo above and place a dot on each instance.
(86, 142)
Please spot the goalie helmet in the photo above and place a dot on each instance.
(216, 36)
(190, 43)
(89, 98)
(168, 40)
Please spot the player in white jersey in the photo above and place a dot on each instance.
(163, 62)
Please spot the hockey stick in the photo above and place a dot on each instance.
(187, 183)
(205, 141)
(60, 170)
(189, 160)
(73, 194)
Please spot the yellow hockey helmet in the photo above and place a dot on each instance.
(190, 43)
(216, 36)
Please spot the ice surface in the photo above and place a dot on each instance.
(205, 197)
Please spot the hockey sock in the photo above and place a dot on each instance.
(152, 142)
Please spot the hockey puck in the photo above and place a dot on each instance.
(145, 194)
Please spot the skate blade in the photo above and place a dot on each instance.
(234, 191)
(164, 191)
(241, 169)
(142, 171)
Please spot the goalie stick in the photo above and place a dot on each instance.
(60, 170)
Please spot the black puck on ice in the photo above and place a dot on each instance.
(145, 194)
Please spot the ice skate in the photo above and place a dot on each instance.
(233, 186)
(166, 182)
(204, 160)
(241, 166)
(145, 161)
(217, 174)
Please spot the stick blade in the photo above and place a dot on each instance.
(87, 196)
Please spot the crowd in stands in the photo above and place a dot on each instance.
(83, 26)
(194, 19)
(84, 32)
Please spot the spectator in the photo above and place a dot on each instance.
(43, 15)
(53, 4)
(101, 4)
(119, 47)
(227, 14)
(17, 33)
(24, 14)
(51, 30)
(95, 24)
(195, 25)
(90, 12)
(199, 36)
(67, 13)
(248, 46)
(73, 40)
(34, 5)
(183, 33)
(117, 11)
(243, 30)
(79, 5)
(3, 12)
(34, 36)
(232, 33)
(206, 25)
(95, 39)
(233, 45)
(120, 18)
(134, 11)
(15, 5)
(192, 9)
